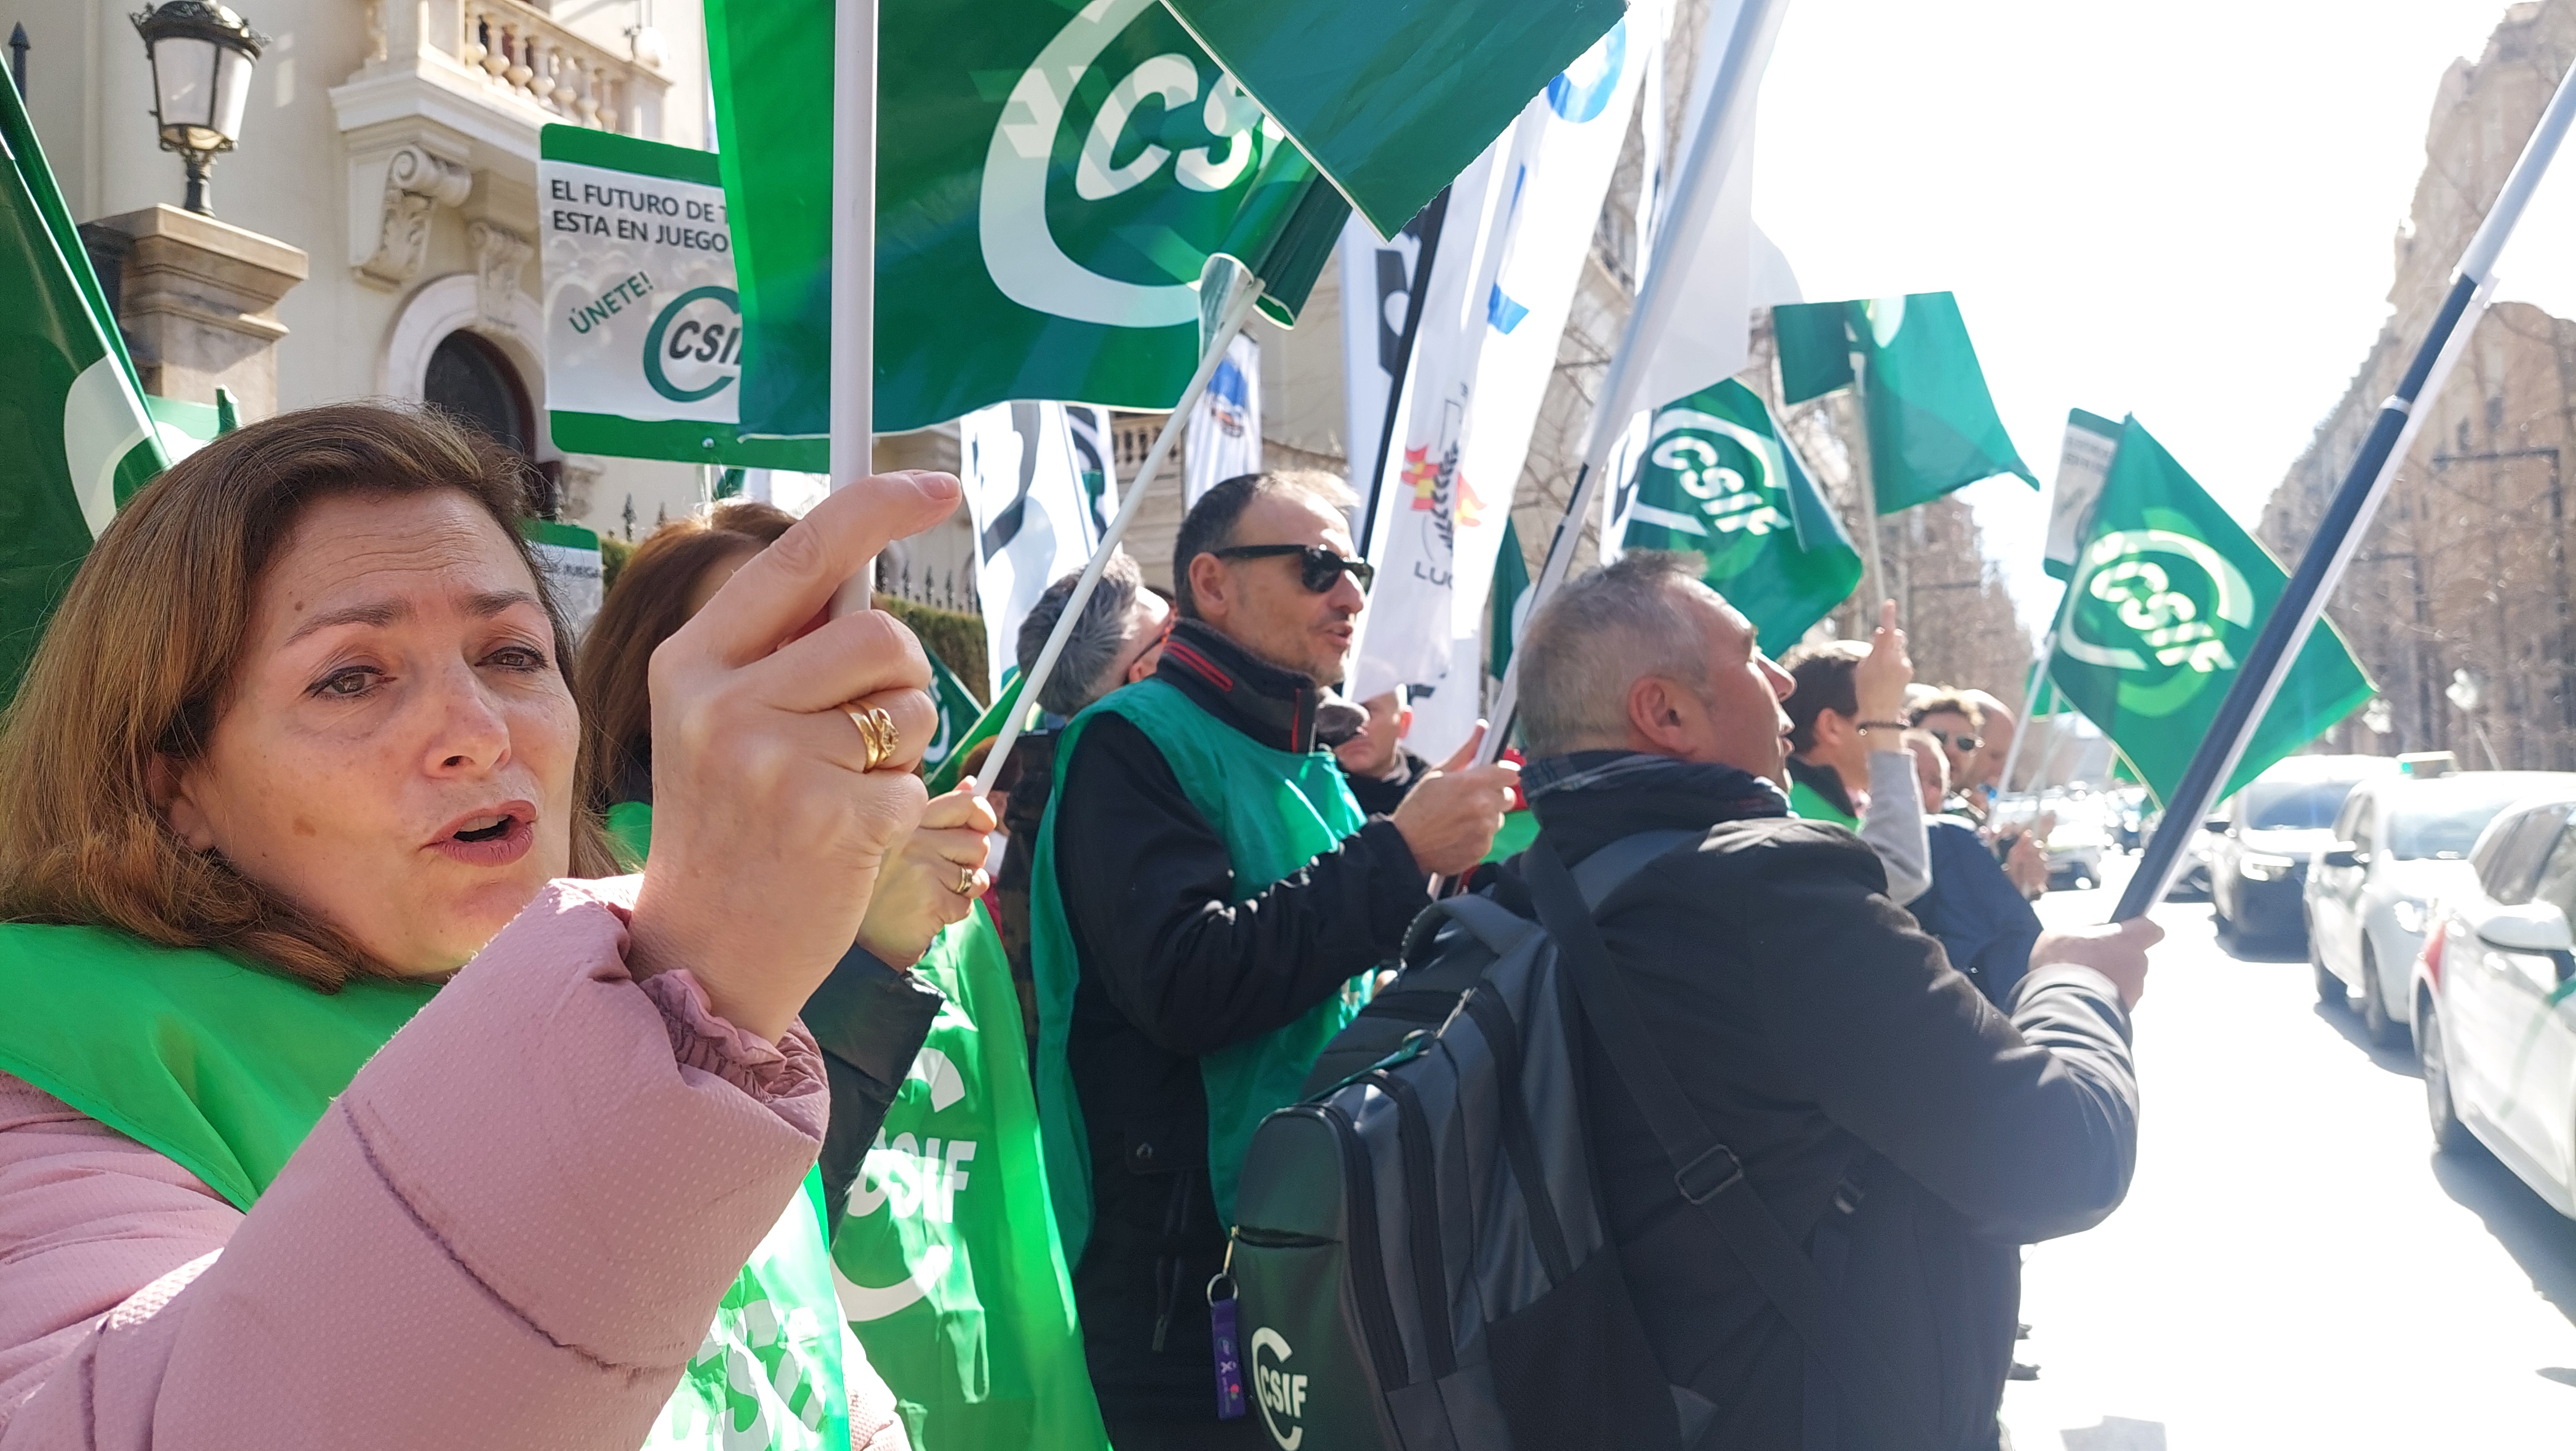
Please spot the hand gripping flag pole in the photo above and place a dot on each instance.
(1243, 293)
(854, 248)
(1722, 126)
(2347, 518)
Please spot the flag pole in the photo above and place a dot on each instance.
(1865, 485)
(1236, 310)
(2347, 517)
(2030, 698)
(1728, 115)
(854, 246)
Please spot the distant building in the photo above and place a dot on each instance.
(2466, 567)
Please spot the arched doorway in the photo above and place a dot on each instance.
(471, 378)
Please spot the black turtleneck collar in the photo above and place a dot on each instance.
(1273, 706)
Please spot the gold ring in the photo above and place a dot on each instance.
(877, 729)
(965, 881)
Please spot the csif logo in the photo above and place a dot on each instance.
(2157, 602)
(1136, 107)
(1281, 1393)
(694, 348)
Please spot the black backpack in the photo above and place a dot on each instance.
(1420, 1256)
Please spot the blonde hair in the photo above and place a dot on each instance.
(138, 665)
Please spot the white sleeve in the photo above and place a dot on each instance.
(1893, 826)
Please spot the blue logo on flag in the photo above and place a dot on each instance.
(1582, 90)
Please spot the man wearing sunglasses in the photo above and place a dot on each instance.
(1208, 906)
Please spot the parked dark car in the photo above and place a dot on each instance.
(2262, 837)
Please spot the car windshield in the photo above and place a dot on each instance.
(2445, 829)
(2293, 805)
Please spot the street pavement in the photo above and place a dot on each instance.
(2294, 1266)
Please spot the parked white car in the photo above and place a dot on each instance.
(2494, 1000)
(2400, 844)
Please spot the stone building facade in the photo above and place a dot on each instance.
(2465, 568)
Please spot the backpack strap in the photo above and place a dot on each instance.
(1707, 1172)
(1609, 868)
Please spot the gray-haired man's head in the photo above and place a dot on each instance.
(1115, 640)
(1642, 656)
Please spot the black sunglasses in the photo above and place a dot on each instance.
(1961, 741)
(1318, 568)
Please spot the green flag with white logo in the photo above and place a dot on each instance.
(1052, 180)
(73, 423)
(1932, 424)
(1394, 100)
(1716, 479)
(958, 713)
(947, 1258)
(2167, 597)
(943, 778)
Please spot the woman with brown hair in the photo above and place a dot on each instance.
(870, 1016)
(330, 1113)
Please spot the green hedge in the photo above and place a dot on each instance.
(956, 637)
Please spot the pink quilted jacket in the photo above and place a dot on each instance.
(510, 1232)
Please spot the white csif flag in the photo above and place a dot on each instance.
(1032, 515)
(1519, 225)
(1225, 428)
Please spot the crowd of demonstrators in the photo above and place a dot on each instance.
(1985, 924)
(1901, 1126)
(1848, 763)
(1376, 761)
(297, 765)
(869, 1017)
(363, 758)
(1975, 733)
(1209, 904)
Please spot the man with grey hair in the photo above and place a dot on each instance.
(1208, 908)
(1901, 1130)
(1117, 641)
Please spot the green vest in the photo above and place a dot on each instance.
(1809, 803)
(1276, 811)
(224, 1069)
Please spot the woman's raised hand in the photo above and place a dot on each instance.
(769, 825)
(932, 880)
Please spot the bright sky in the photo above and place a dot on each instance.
(2185, 211)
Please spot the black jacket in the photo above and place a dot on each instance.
(1825, 1039)
(1380, 795)
(869, 1020)
(1172, 967)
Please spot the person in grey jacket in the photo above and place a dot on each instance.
(1907, 1133)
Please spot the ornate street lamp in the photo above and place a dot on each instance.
(201, 57)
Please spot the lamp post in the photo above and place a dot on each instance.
(201, 56)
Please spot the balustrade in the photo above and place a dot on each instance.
(526, 53)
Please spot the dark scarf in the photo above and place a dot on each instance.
(1738, 794)
(1274, 706)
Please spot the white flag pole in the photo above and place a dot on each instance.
(1232, 314)
(854, 277)
(1722, 125)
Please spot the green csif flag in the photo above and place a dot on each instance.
(1932, 424)
(943, 777)
(958, 713)
(1716, 479)
(1052, 181)
(2167, 597)
(947, 1258)
(73, 423)
(1393, 100)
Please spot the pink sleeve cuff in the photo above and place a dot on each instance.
(769, 1072)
